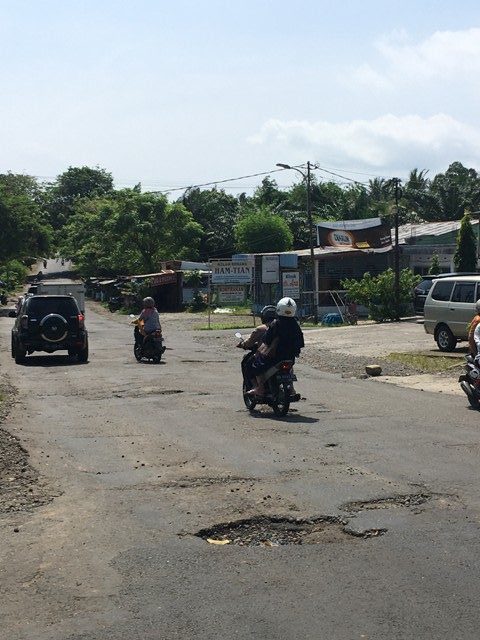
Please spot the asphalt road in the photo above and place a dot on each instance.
(142, 457)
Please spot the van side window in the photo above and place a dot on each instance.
(442, 290)
(464, 292)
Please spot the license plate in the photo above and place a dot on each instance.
(285, 377)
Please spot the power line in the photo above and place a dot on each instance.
(215, 182)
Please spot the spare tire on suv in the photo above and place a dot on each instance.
(49, 323)
(54, 327)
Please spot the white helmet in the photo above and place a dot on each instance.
(477, 306)
(286, 307)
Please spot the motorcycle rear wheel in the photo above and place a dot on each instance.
(137, 352)
(281, 404)
(249, 401)
(471, 395)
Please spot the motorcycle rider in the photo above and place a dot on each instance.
(150, 317)
(283, 340)
(254, 340)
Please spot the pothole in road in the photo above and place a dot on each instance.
(274, 531)
(408, 500)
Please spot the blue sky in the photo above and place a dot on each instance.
(172, 94)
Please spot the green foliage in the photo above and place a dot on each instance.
(261, 231)
(377, 293)
(192, 278)
(23, 229)
(128, 233)
(198, 302)
(465, 258)
(77, 182)
(454, 191)
(216, 212)
(13, 274)
(434, 265)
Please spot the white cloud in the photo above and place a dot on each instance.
(443, 55)
(389, 142)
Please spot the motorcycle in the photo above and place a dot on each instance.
(470, 382)
(150, 347)
(114, 304)
(278, 380)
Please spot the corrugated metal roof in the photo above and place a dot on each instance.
(406, 231)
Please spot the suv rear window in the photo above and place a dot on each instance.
(43, 306)
(442, 290)
(464, 292)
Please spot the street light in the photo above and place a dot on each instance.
(306, 177)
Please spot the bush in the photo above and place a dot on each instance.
(13, 273)
(378, 293)
(198, 303)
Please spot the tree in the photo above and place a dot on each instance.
(378, 293)
(19, 184)
(465, 258)
(454, 191)
(217, 213)
(75, 183)
(262, 231)
(434, 265)
(129, 233)
(23, 231)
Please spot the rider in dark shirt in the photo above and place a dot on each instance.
(283, 341)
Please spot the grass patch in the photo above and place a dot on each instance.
(235, 324)
(430, 364)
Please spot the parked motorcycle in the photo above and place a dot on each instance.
(150, 347)
(115, 303)
(278, 380)
(470, 382)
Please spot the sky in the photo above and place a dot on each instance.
(174, 94)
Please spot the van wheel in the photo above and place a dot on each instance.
(446, 341)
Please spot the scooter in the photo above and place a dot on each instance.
(150, 347)
(278, 380)
(470, 382)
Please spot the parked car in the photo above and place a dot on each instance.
(420, 292)
(449, 309)
(49, 323)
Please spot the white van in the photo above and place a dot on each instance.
(449, 309)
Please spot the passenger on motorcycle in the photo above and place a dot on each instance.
(283, 340)
(254, 340)
(150, 317)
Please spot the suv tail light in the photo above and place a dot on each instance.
(81, 321)
(24, 322)
(285, 366)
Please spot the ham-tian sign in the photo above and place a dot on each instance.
(230, 272)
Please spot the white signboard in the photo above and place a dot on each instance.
(270, 269)
(228, 272)
(291, 284)
(230, 294)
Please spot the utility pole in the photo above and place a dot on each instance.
(312, 252)
(397, 253)
(313, 267)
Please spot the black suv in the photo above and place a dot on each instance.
(49, 323)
